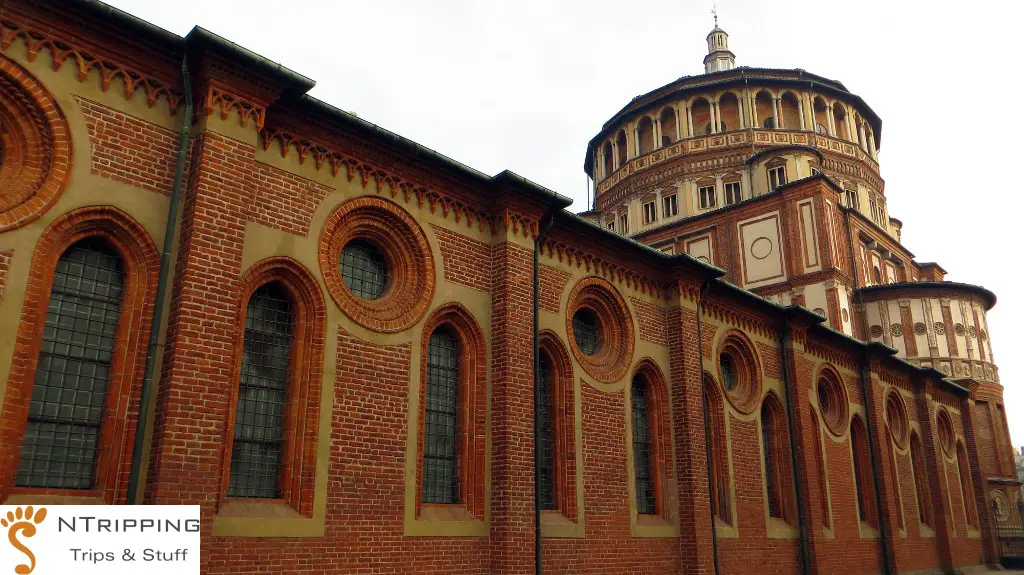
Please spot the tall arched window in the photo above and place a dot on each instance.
(924, 507)
(963, 467)
(717, 450)
(819, 461)
(862, 472)
(441, 433)
(263, 389)
(65, 414)
(644, 456)
(546, 415)
(777, 466)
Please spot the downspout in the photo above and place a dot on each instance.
(863, 377)
(161, 289)
(704, 408)
(805, 553)
(545, 227)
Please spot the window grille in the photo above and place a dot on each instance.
(642, 449)
(585, 331)
(768, 438)
(66, 408)
(441, 426)
(728, 373)
(546, 447)
(262, 395)
(364, 269)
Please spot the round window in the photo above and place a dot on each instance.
(364, 269)
(728, 372)
(832, 402)
(586, 328)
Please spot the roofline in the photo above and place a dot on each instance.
(986, 294)
(738, 75)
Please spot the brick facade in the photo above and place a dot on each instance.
(259, 207)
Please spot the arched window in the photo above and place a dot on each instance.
(819, 461)
(866, 511)
(622, 148)
(702, 116)
(452, 433)
(924, 507)
(262, 406)
(441, 433)
(272, 427)
(777, 466)
(606, 157)
(718, 450)
(669, 127)
(963, 467)
(644, 456)
(546, 416)
(645, 133)
(729, 111)
(65, 414)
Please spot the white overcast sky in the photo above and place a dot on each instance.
(524, 84)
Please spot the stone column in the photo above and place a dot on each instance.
(830, 120)
(615, 156)
(689, 120)
(656, 133)
(679, 134)
(775, 109)
(743, 123)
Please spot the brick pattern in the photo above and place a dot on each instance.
(552, 286)
(5, 265)
(651, 321)
(129, 150)
(466, 261)
(284, 201)
(770, 362)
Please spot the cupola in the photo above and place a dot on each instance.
(719, 57)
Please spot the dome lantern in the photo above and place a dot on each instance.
(719, 57)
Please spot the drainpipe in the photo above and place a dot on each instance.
(161, 289)
(805, 553)
(547, 222)
(865, 368)
(704, 408)
(863, 372)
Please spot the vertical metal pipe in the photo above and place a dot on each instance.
(161, 290)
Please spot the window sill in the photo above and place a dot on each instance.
(779, 529)
(867, 531)
(41, 497)
(725, 531)
(554, 524)
(264, 519)
(653, 526)
(925, 532)
(973, 533)
(446, 521)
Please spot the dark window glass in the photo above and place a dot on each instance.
(441, 427)
(857, 439)
(769, 123)
(768, 433)
(66, 409)
(585, 330)
(364, 269)
(824, 400)
(547, 435)
(728, 372)
(262, 395)
(642, 448)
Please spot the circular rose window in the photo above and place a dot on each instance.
(739, 372)
(945, 431)
(377, 264)
(600, 329)
(833, 402)
(896, 419)
(35, 148)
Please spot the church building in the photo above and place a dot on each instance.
(357, 355)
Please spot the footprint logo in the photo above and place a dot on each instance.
(25, 521)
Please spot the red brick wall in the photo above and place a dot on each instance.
(466, 261)
(651, 319)
(552, 285)
(130, 150)
(284, 201)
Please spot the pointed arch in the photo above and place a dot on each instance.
(922, 489)
(778, 480)
(861, 452)
(650, 430)
(558, 426)
(718, 450)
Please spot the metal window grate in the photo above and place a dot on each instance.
(728, 373)
(364, 269)
(768, 440)
(546, 446)
(642, 449)
(66, 408)
(262, 395)
(584, 329)
(441, 427)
